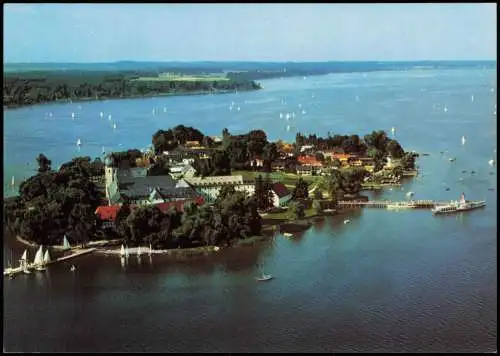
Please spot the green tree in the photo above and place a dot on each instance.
(318, 194)
(317, 206)
(320, 156)
(43, 163)
(263, 194)
(301, 190)
(296, 211)
(394, 149)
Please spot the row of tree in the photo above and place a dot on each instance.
(232, 217)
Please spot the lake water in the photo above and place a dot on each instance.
(389, 281)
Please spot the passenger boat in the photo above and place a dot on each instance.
(401, 205)
(457, 206)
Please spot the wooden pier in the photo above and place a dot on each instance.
(31, 266)
(384, 204)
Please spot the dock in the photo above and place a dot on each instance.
(31, 266)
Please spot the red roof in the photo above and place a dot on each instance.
(309, 160)
(107, 212)
(179, 204)
(280, 190)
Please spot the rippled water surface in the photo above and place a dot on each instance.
(389, 281)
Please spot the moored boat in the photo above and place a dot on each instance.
(38, 262)
(401, 205)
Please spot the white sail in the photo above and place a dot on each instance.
(24, 257)
(72, 115)
(122, 251)
(126, 251)
(101, 114)
(66, 243)
(13, 181)
(150, 249)
(46, 257)
(463, 140)
(39, 256)
(114, 126)
(78, 142)
(109, 117)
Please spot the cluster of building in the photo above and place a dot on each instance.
(133, 186)
(181, 186)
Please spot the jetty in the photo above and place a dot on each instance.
(413, 204)
(31, 266)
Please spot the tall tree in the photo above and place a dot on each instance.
(43, 163)
(301, 190)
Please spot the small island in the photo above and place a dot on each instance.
(192, 191)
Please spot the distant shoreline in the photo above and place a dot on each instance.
(66, 101)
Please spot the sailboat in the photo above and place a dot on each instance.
(46, 257)
(126, 252)
(393, 130)
(463, 140)
(109, 117)
(164, 109)
(445, 109)
(66, 244)
(150, 249)
(103, 149)
(281, 115)
(78, 142)
(303, 112)
(239, 108)
(472, 98)
(288, 127)
(38, 262)
(491, 162)
(72, 115)
(114, 126)
(101, 114)
(13, 181)
(122, 251)
(24, 262)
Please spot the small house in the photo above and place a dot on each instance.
(281, 195)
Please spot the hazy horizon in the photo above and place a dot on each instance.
(257, 61)
(107, 33)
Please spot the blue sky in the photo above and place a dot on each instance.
(248, 32)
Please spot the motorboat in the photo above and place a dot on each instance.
(287, 234)
(347, 221)
(264, 277)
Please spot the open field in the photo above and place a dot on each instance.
(184, 78)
